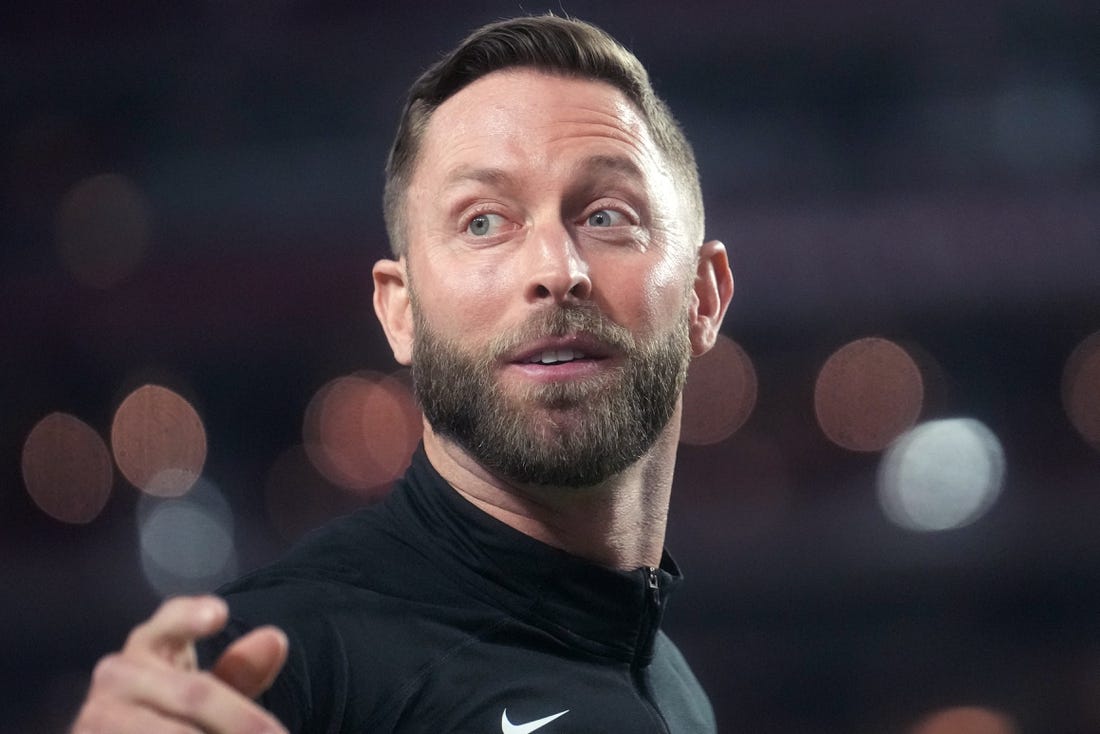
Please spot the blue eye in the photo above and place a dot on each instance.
(605, 218)
(484, 224)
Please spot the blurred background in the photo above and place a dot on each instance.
(888, 498)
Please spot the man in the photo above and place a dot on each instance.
(549, 287)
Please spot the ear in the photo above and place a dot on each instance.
(393, 307)
(713, 291)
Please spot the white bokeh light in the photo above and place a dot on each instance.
(187, 543)
(941, 475)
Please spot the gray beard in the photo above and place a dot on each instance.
(568, 434)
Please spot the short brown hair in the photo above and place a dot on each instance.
(551, 44)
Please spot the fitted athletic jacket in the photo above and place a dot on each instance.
(424, 615)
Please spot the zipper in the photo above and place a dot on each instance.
(651, 618)
(651, 610)
(651, 614)
(654, 582)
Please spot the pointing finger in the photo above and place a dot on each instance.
(170, 633)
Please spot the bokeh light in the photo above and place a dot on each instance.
(965, 720)
(187, 543)
(103, 226)
(1081, 389)
(67, 468)
(361, 430)
(159, 441)
(942, 474)
(867, 393)
(720, 393)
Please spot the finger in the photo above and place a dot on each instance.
(170, 633)
(111, 718)
(195, 698)
(251, 663)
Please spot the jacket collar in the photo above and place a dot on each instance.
(606, 611)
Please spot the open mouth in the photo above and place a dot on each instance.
(555, 356)
(563, 357)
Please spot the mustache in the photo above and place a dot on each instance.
(556, 321)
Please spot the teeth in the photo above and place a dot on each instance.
(553, 356)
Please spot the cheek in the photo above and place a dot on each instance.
(645, 297)
(462, 301)
(666, 289)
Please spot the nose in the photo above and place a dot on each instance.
(558, 272)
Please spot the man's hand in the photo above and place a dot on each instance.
(153, 685)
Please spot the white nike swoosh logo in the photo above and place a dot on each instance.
(507, 727)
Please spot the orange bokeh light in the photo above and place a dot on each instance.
(965, 720)
(159, 441)
(361, 430)
(67, 469)
(867, 394)
(719, 395)
(1081, 389)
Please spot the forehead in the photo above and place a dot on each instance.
(529, 116)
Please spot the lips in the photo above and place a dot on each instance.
(560, 350)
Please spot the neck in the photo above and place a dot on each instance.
(619, 523)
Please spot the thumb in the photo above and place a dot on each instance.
(251, 663)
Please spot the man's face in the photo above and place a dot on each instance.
(549, 278)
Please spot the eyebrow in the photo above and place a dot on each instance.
(501, 178)
(478, 174)
(612, 164)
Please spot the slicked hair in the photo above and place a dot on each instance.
(550, 44)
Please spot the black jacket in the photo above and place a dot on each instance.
(425, 615)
